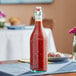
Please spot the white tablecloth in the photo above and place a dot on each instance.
(15, 44)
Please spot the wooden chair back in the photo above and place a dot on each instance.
(48, 23)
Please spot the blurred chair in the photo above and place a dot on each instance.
(48, 23)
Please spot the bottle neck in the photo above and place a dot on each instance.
(38, 26)
(75, 34)
(38, 23)
(74, 40)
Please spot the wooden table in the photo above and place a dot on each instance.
(66, 74)
(17, 61)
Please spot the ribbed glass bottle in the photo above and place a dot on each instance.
(74, 46)
(38, 44)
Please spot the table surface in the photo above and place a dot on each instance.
(66, 74)
(17, 61)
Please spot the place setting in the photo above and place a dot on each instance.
(56, 57)
(52, 58)
(57, 63)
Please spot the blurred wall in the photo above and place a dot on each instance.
(63, 12)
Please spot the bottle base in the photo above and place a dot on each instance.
(35, 71)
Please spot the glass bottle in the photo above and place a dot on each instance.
(74, 47)
(38, 44)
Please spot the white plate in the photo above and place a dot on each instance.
(56, 59)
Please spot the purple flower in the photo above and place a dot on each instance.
(72, 31)
(2, 14)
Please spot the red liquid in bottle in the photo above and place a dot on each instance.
(38, 48)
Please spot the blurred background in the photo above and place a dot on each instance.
(62, 12)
